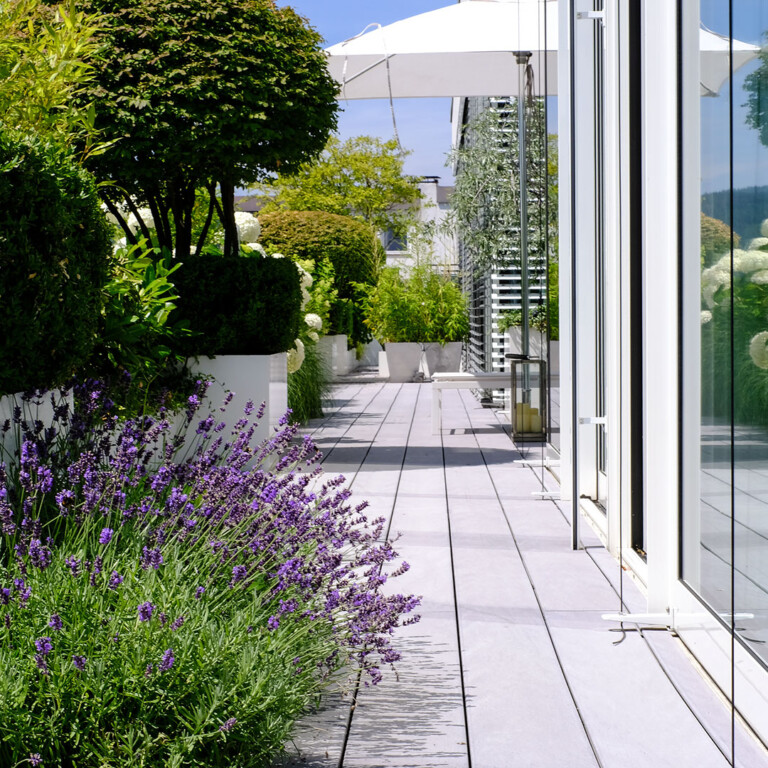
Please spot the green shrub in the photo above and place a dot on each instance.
(54, 255)
(239, 305)
(425, 306)
(349, 245)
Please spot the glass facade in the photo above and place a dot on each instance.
(725, 278)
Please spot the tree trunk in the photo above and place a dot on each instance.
(231, 240)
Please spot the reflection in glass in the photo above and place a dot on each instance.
(731, 561)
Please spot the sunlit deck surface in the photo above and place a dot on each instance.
(511, 664)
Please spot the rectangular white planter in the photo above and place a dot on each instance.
(333, 350)
(260, 378)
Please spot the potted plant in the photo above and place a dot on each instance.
(414, 313)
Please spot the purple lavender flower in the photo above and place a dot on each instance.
(35, 759)
(148, 670)
(227, 726)
(239, 572)
(151, 558)
(167, 661)
(273, 622)
(39, 555)
(115, 580)
(73, 564)
(177, 623)
(106, 535)
(5, 596)
(163, 618)
(199, 592)
(79, 662)
(41, 663)
(56, 624)
(44, 645)
(145, 611)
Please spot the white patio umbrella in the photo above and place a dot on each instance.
(465, 49)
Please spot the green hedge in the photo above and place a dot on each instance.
(55, 250)
(239, 305)
(349, 245)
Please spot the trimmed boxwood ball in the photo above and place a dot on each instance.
(55, 250)
(237, 305)
(349, 245)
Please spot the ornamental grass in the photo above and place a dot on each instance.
(172, 602)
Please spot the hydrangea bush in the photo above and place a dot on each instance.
(163, 605)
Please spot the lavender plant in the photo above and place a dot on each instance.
(176, 603)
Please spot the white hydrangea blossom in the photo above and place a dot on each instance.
(144, 215)
(256, 247)
(749, 261)
(295, 356)
(760, 278)
(714, 277)
(757, 242)
(248, 227)
(314, 321)
(706, 316)
(758, 349)
(305, 298)
(313, 335)
(306, 278)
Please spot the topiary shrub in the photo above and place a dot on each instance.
(55, 250)
(237, 305)
(348, 244)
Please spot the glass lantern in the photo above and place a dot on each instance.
(528, 409)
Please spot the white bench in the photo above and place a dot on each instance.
(463, 380)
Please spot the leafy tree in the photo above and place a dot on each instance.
(485, 204)
(200, 94)
(46, 62)
(362, 177)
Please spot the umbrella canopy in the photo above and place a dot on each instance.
(466, 49)
(715, 49)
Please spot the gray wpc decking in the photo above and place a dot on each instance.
(511, 665)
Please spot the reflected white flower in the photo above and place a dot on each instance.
(757, 242)
(295, 356)
(760, 278)
(706, 316)
(314, 321)
(144, 215)
(764, 228)
(749, 261)
(758, 349)
(248, 227)
(305, 297)
(313, 335)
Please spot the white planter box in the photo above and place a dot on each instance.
(441, 358)
(403, 360)
(515, 341)
(371, 354)
(260, 378)
(333, 350)
(383, 366)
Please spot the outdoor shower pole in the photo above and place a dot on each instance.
(523, 57)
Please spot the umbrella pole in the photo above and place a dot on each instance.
(522, 62)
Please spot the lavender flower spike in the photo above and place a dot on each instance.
(145, 611)
(79, 662)
(56, 624)
(106, 535)
(228, 725)
(167, 661)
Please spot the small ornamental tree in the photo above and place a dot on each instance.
(362, 177)
(199, 94)
(55, 251)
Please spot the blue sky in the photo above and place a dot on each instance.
(424, 125)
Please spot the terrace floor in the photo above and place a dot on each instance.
(511, 664)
